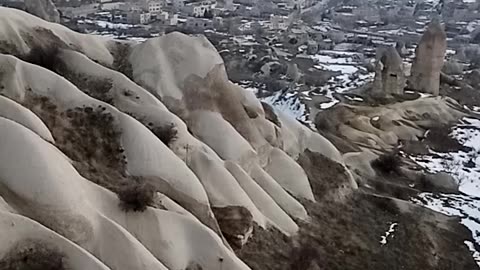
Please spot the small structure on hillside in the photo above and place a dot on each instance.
(138, 17)
(429, 59)
(389, 72)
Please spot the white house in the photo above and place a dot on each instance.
(167, 19)
(155, 7)
(139, 17)
(163, 17)
(199, 24)
(173, 19)
(198, 9)
(278, 22)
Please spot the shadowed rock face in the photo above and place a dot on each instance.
(389, 74)
(429, 59)
(44, 9)
(236, 223)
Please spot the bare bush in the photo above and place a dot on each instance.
(167, 134)
(33, 256)
(388, 163)
(136, 197)
(46, 57)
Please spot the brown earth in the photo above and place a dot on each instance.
(464, 95)
(345, 234)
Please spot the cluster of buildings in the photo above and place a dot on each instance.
(193, 15)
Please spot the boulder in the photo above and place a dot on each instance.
(452, 67)
(442, 182)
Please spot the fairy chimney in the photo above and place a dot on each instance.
(44, 9)
(389, 73)
(429, 59)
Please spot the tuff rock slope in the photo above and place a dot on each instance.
(83, 116)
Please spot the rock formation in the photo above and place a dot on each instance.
(389, 73)
(401, 49)
(429, 59)
(293, 72)
(83, 118)
(74, 131)
(44, 9)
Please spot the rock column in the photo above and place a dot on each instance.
(429, 59)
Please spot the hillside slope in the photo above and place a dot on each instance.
(84, 118)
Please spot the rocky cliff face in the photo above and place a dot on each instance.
(429, 59)
(120, 155)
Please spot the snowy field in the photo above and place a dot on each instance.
(465, 167)
(107, 25)
(350, 76)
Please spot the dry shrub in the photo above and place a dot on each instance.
(167, 134)
(136, 197)
(46, 57)
(33, 256)
(388, 163)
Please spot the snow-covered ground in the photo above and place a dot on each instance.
(289, 103)
(465, 167)
(107, 25)
(350, 76)
(388, 234)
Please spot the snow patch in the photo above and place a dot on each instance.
(391, 230)
(475, 253)
(464, 166)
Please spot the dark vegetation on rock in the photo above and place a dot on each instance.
(33, 255)
(167, 134)
(136, 196)
(388, 163)
(345, 234)
(327, 177)
(46, 57)
(120, 52)
(438, 139)
(88, 136)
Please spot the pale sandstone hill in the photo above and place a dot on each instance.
(69, 142)
(82, 117)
